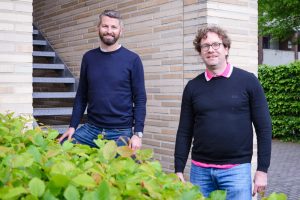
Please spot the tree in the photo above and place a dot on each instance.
(280, 19)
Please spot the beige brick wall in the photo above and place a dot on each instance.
(161, 31)
(16, 56)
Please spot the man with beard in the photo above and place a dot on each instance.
(218, 109)
(112, 87)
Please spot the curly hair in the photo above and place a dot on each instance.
(202, 34)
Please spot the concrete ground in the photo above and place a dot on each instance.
(284, 171)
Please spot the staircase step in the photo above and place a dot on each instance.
(48, 66)
(43, 53)
(39, 42)
(52, 111)
(53, 95)
(35, 32)
(60, 128)
(52, 80)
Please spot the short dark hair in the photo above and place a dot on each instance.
(110, 13)
(202, 33)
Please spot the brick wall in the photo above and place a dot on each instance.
(161, 31)
(16, 56)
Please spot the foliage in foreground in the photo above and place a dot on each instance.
(34, 166)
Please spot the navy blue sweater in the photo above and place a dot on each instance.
(217, 116)
(112, 87)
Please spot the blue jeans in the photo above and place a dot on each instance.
(236, 181)
(87, 133)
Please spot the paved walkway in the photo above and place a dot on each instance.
(284, 172)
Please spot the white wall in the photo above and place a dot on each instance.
(278, 57)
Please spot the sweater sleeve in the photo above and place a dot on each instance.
(184, 132)
(138, 95)
(263, 126)
(80, 101)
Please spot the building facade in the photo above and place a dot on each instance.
(160, 31)
(16, 56)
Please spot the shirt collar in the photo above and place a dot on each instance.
(226, 73)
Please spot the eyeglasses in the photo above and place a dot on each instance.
(215, 46)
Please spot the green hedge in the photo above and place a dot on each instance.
(282, 87)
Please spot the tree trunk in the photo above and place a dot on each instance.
(295, 44)
(260, 50)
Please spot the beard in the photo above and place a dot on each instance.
(109, 41)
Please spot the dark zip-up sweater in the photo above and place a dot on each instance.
(112, 87)
(217, 115)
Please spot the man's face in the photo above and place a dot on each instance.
(109, 30)
(215, 56)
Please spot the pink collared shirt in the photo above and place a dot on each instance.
(226, 73)
(208, 76)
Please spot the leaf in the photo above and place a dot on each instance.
(4, 150)
(153, 189)
(71, 193)
(104, 191)
(84, 180)
(14, 193)
(35, 153)
(53, 153)
(5, 174)
(4, 130)
(52, 134)
(67, 145)
(276, 196)
(35, 170)
(88, 195)
(22, 160)
(60, 180)
(125, 151)
(87, 165)
(110, 150)
(37, 187)
(144, 154)
(30, 197)
(38, 140)
(63, 168)
(53, 189)
(99, 142)
(191, 194)
(218, 195)
(49, 196)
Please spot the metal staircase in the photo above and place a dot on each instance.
(54, 86)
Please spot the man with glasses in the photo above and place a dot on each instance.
(112, 88)
(217, 112)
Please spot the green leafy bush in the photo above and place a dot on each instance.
(34, 166)
(282, 87)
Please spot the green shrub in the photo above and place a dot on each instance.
(282, 87)
(34, 166)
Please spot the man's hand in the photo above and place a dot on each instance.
(69, 133)
(135, 142)
(260, 182)
(180, 176)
